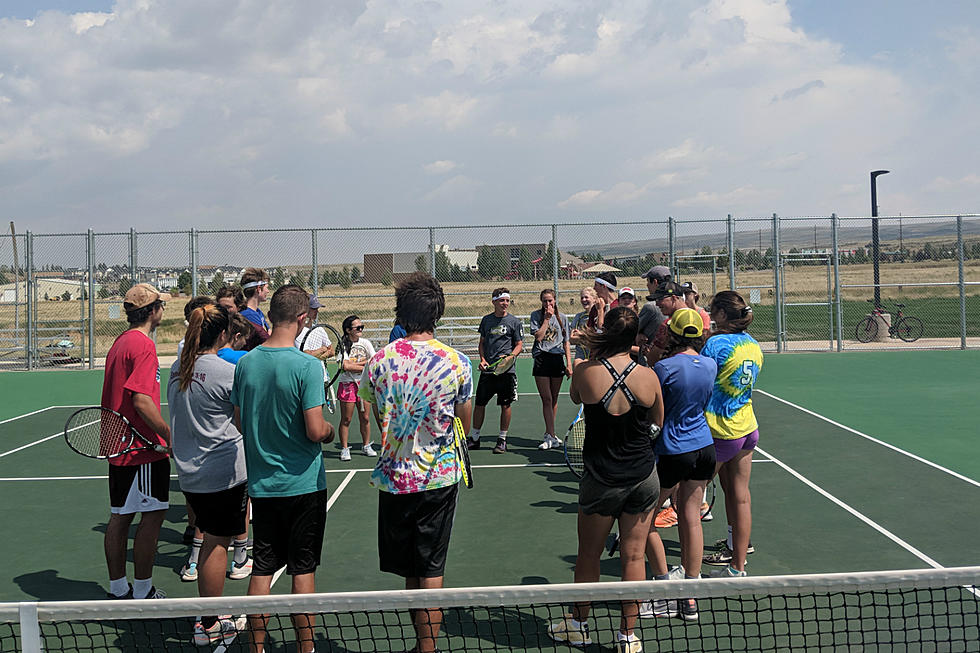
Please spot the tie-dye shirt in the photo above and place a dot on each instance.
(739, 358)
(415, 385)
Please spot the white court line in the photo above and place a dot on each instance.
(44, 439)
(34, 412)
(873, 439)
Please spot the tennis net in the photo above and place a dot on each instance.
(917, 610)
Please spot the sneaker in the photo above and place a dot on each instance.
(501, 446)
(550, 442)
(631, 645)
(188, 536)
(127, 595)
(154, 593)
(472, 444)
(188, 573)
(689, 609)
(666, 518)
(728, 572)
(566, 631)
(658, 608)
(706, 512)
(225, 629)
(240, 571)
(724, 542)
(368, 450)
(676, 573)
(345, 454)
(720, 558)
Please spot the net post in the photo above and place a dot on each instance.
(554, 256)
(731, 252)
(777, 288)
(838, 308)
(30, 629)
(961, 279)
(91, 297)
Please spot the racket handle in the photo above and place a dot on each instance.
(159, 448)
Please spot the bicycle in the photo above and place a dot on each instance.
(905, 327)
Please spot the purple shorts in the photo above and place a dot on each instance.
(725, 450)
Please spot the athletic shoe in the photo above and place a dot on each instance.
(666, 518)
(720, 558)
(225, 629)
(724, 542)
(676, 573)
(632, 645)
(658, 608)
(501, 446)
(240, 571)
(689, 609)
(550, 442)
(188, 537)
(566, 631)
(368, 450)
(706, 512)
(188, 573)
(127, 595)
(472, 444)
(728, 572)
(345, 454)
(154, 593)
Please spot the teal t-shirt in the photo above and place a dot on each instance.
(273, 386)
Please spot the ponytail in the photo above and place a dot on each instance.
(204, 326)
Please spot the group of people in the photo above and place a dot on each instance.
(245, 436)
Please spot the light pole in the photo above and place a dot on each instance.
(875, 244)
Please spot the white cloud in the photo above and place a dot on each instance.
(83, 22)
(439, 167)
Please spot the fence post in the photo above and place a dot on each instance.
(432, 251)
(777, 288)
(959, 257)
(834, 220)
(133, 274)
(316, 265)
(91, 294)
(195, 282)
(29, 296)
(731, 252)
(671, 254)
(554, 256)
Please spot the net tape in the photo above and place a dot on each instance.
(919, 610)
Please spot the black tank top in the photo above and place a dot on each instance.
(618, 449)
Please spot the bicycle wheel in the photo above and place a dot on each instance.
(909, 329)
(866, 330)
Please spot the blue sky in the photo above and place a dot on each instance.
(246, 112)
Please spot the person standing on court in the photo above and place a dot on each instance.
(607, 298)
(552, 354)
(278, 398)
(651, 317)
(501, 334)
(417, 386)
(139, 482)
(255, 287)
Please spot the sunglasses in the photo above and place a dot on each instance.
(357, 328)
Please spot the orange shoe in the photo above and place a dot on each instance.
(666, 518)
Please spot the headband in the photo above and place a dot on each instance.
(503, 295)
(606, 284)
(253, 284)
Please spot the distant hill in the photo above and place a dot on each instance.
(790, 236)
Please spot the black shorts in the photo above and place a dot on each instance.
(414, 529)
(490, 384)
(139, 488)
(288, 531)
(696, 465)
(550, 365)
(222, 513)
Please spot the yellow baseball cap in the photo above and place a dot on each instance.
(686, 322)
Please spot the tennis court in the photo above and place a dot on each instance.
(866, 462)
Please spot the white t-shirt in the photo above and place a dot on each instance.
(319, 338)
(360, 352)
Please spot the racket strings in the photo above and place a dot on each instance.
(98, 433)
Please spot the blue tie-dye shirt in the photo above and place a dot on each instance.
(415, 386)
(729, 411)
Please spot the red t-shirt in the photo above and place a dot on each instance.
(132, 366)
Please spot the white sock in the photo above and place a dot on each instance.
(577, 624)
(623, 637)
(241, 555)
(119, 586)
(195, 553)
(475, 434)
(142, 587)
(503, 435)
(728, 542)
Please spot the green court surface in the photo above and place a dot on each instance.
(866, 462)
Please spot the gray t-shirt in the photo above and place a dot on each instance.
(555, 336)
(651, 318)
(208, 450)
(500, 336)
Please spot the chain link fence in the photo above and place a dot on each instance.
(812, 281)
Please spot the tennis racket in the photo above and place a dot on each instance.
(502, 365)
(462, 452)
(98, 432)
(574, 441)
(709, 500)
(333, 363)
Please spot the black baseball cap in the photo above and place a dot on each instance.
(667, 289)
